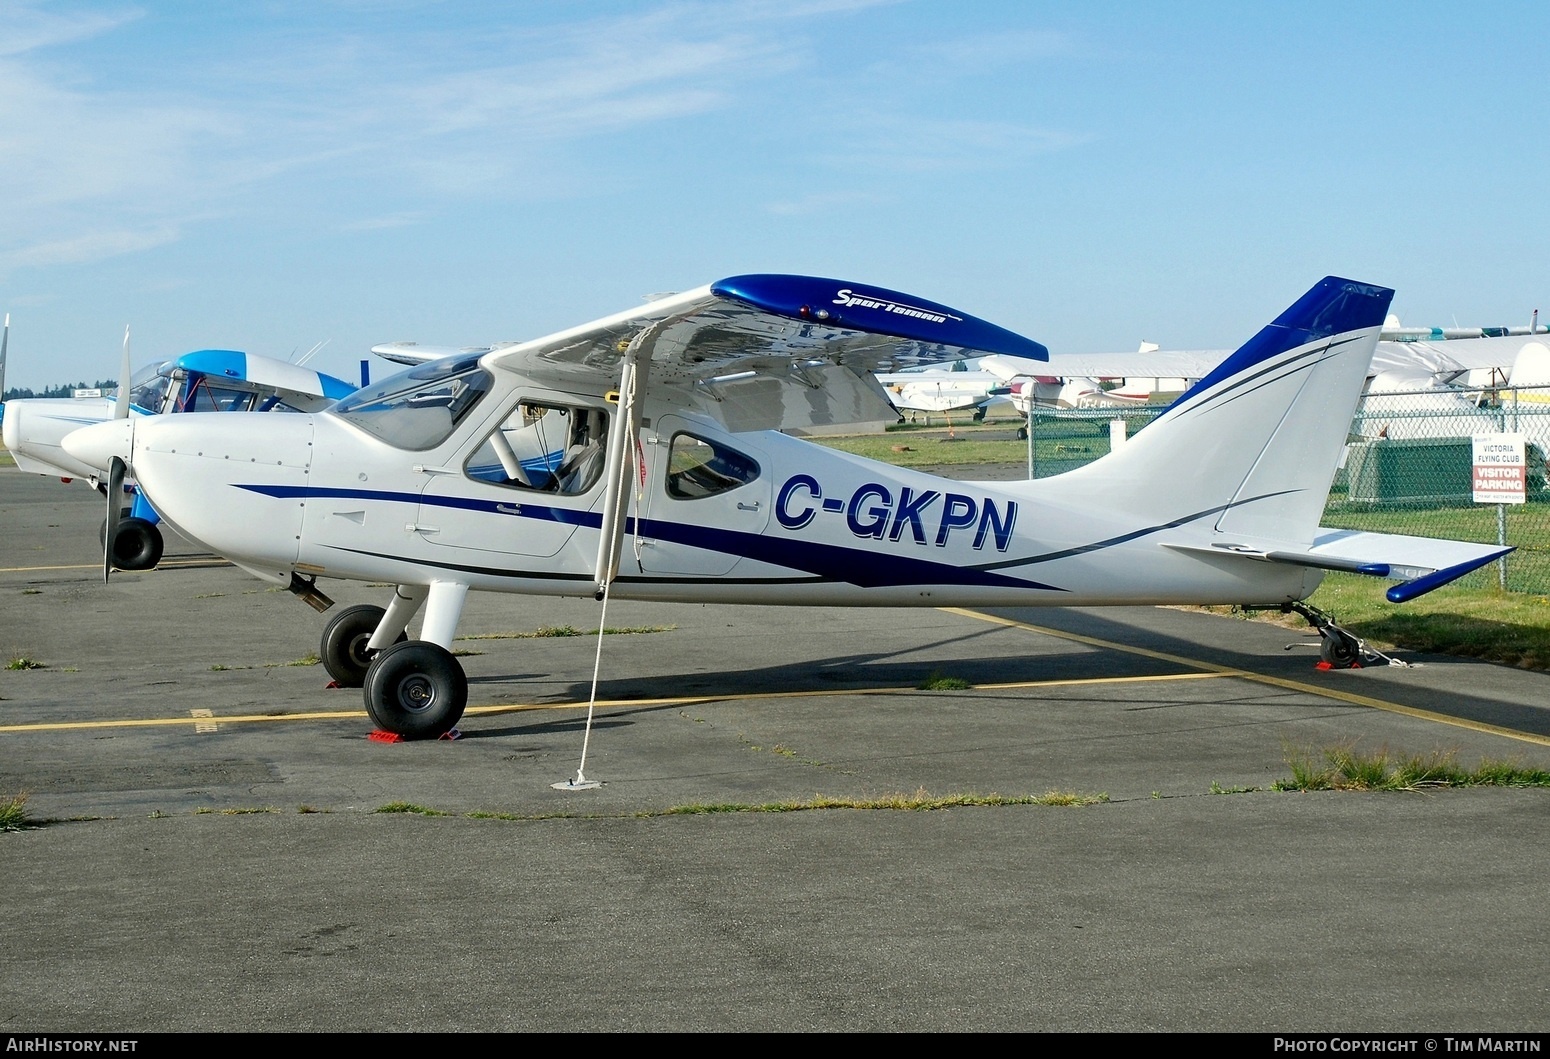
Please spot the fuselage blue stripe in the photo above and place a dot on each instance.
(828, 561)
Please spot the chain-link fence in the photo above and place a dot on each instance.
(1407, 469)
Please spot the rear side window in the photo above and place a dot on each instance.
(697, 468)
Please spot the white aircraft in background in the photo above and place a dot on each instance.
(206, 380)
(1408, 358)
(641, 456)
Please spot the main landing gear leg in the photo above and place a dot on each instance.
(416, 689)
(357, 634)
(407, 601)
(1339, 648)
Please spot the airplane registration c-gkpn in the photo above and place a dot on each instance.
(641, 456)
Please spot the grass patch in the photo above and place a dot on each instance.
(13, 813)
(23, 662)
(1342, 768)
(304, 660)
(32, 591)
(920, 801)
(940, 682)
(409, 807)
(235, 811)
(546, 631)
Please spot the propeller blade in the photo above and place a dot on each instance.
(115, 487)
(5, 340)
(121, 409)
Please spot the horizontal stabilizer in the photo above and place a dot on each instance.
(1420, 564)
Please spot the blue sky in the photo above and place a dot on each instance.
(269, 176)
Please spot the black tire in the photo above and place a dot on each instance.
(416, 690)
(1338, 649)
(137, 545)
(1022, 433)
(344, 644)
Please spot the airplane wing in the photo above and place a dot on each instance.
(1472, 353)
(266, 372)
(1420, 564)
(763, 351)
(1156, 364)
(414, 353)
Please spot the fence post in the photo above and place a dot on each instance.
(1501, 509)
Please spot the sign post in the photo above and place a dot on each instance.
(1500, 477)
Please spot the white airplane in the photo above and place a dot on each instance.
(957, 387)
(206, 380)
(640, 456)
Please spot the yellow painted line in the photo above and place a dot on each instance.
(165, 564)
(200, 718)
(1260, 678)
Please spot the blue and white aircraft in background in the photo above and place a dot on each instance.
(206, 380)
(677, 482)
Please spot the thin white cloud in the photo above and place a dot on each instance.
(92, 167)
(27, 27)
(93, 246)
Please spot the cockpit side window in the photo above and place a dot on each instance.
(418, 409)
(201, 396)
(698, 468)
(544, 447)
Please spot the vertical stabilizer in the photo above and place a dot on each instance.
(1253, 447)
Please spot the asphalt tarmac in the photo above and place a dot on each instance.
(213, 851)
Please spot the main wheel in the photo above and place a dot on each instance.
(344, 644)
(1338, 649)
(416, 689)
(137, 545)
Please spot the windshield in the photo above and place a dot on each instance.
(417, 409)
(149, 390)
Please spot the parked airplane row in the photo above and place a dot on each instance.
(1408, 359)
(206, 380)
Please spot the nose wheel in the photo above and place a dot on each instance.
(137, 544)
(416, 690)
(344, 644)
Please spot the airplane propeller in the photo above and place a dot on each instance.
(116, 468)
(5, 340)
(115, 491)
(121, 408)
(129, 543)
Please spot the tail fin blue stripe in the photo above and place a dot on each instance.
(1333, 306)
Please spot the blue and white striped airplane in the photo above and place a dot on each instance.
(206, 380)
(643, 455)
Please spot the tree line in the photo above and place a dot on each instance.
(109, 387)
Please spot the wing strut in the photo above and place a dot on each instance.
(617, 472)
